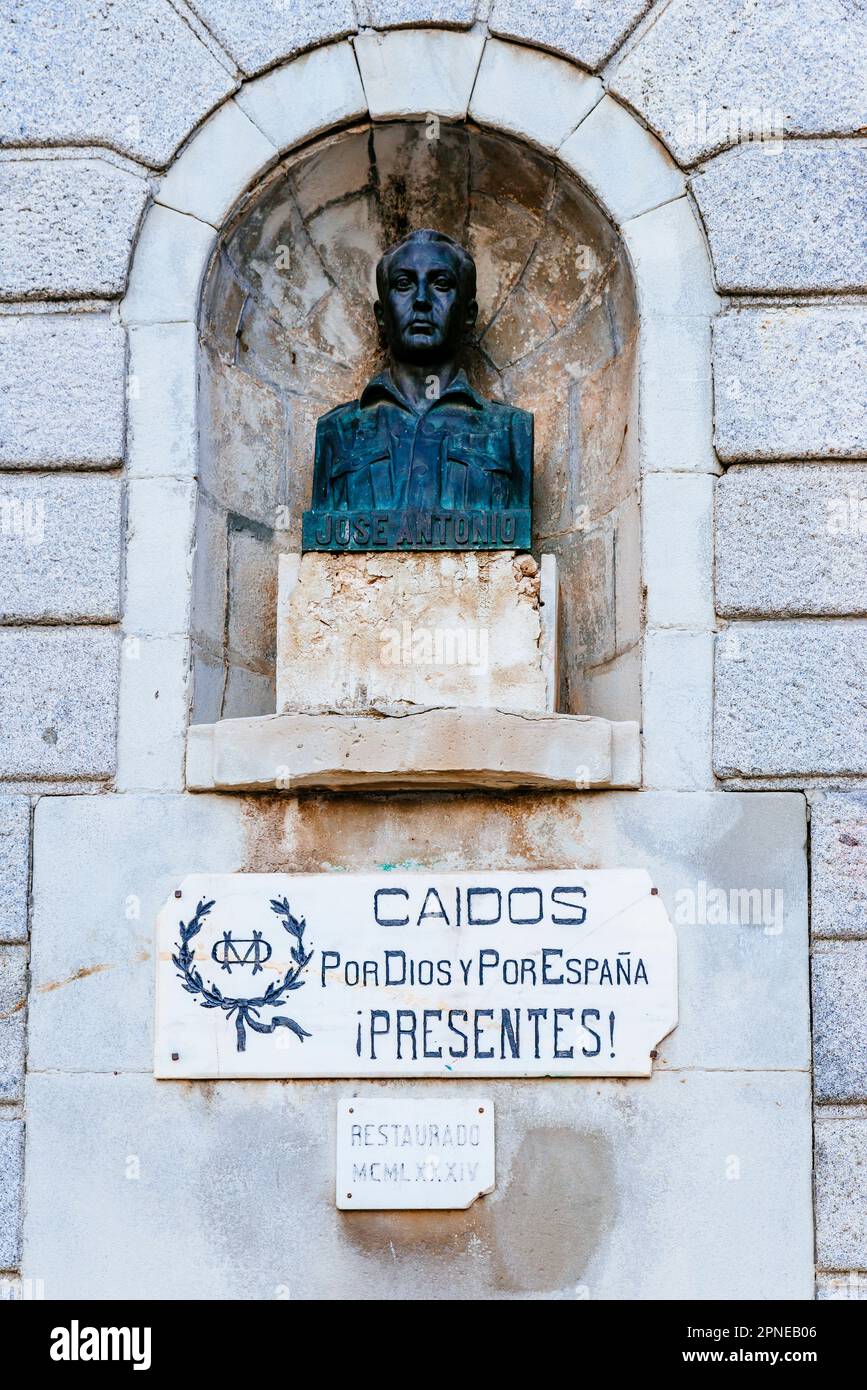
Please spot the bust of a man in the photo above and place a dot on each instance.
(421, 461)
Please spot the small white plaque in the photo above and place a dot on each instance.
(414, 1154)
(565, 972)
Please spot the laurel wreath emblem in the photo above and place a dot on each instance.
(246, 1011)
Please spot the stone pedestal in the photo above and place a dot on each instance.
(358, 634)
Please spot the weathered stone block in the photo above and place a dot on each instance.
(551, 97)
(540, 1236)
(163, 426)
(790, 383)
(616, 156)
(11, 1185)
(677, 512)
(583, 30)
(852, 1285)
(58, 702)
(840, 1020)
(706, 76)
(787, 218)
(838, 837)
(56, 60)
(159, 560)
(431, 749)
(252, 609)
(247, 692)
(316, 91)
(676, 395)
(413, 72)
(789, 699)
(668, 249)
(13, 1003)
(61, 391)
(358, 632)
(790, 539)
(59, 549)
(217, 165)
(677, 683)
(154, 704)
(14, 867)
(261, 33)
(392, 14)
(841, 1172)
(66, 227)
(170, 258)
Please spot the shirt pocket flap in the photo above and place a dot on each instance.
(361, 456)
(490, 452)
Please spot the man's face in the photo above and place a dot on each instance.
(424, 313)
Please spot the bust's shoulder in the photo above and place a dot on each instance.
(503, 415)
(339, 416)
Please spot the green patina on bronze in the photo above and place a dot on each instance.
(422, 461)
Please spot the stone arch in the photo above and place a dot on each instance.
(555, 107)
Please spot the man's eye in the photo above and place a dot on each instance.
(402, 283)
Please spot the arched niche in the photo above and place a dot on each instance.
(286, 332)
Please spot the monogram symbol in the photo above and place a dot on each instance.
(226, 952)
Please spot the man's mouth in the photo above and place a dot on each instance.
(421, 326)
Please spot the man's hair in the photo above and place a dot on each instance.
(466, 264)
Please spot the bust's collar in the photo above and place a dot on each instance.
(383, 384)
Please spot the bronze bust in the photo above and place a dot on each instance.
(421, 461)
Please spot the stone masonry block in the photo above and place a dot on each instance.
(705, 76)
(840, 1020)
(59, 548)
(163, 426)
(58, 702)
(790, 383)
(66, 227)
(788, 216)
(393, 14)
(413, 72)
(790, 699)
(14, 867)
(11, 1183)
(13, 1001)
(159, 562)
(132, 75)
(260, 33)
(584, 30)
(615, 155)
(841, 1174)
(318, 90)
(838, 834)
(531, 93)
(790, 539)
(61, 391)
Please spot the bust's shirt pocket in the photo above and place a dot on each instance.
(477, 469)
(362, 477)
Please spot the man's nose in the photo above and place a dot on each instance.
(422, 294)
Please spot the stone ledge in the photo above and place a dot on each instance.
(433, 749)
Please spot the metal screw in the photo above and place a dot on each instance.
(174, 1056)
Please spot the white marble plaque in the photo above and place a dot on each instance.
(566, 972)
(420, 1154)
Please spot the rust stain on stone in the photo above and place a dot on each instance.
(16, 1008)
(449, 832)
(81, 974)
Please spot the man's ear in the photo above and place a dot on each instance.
(379, 315)
(471, 315)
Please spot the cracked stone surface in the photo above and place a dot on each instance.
(356, 632)
(78, 73)
(705, 76)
